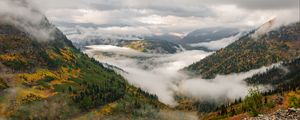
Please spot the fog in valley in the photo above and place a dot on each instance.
(160, 74)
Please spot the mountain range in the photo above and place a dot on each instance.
(47, 77)
(203, 35)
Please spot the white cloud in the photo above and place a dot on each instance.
(218, 44)
(26, 17)
(159, 74)
(104, 32)
(170, 16)
(154, 73)
(222, 87)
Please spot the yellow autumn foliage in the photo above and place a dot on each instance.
(294, 93)
(11, 57)
(107, 108)
(25, 95)
(294, 99)
(137, 45)
(60, 76)
(67, 54)
(52, 54)
(33, 77)
(64, 74)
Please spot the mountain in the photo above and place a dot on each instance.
(209, 34)
(261, 47)
(48, 78)
(147, 46)
(284, 77)
(284, 95)
(164, 37)
(209, 39)
(167, 43)
(254, 50)
(151, 46)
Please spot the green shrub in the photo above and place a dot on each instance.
(294, 102)
(45, 81)
(253, 102)
(16, 64)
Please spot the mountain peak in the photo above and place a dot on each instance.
(209, 34)
(26, 18)
(266, 27)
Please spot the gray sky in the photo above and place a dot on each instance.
(164, 16)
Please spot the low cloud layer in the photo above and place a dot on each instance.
(158, 74)
(218, 44)
(163, 16)
(26, 17)
(222, 87)
(154, 73)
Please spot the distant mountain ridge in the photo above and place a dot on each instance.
(209, 34)
(147, 46)
(197, 36)
(164, 37)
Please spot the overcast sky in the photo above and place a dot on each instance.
(163, 16)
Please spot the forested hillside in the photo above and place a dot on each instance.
(147, 46)
(151, 46)
(286, 94)
(51, 79)
(251, 52)
(286, 75)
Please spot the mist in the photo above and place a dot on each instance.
(160, 74)
(218, 44)
(229, 87)
(154, 73)
(26, 17)
(276, 22)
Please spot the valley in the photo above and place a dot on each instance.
(132, 60)
(164, 75)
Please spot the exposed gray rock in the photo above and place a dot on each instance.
(290, 114)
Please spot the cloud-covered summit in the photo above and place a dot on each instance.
(25, 16)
